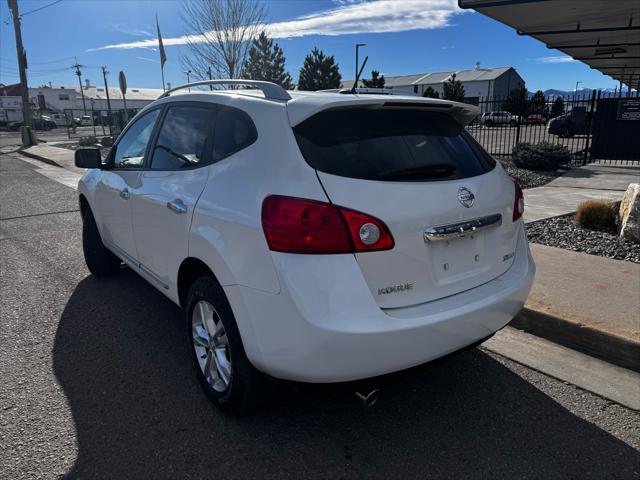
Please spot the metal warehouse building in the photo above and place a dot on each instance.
(477, 82)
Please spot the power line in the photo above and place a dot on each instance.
(52, 61)
(40, 8)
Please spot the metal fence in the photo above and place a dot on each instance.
(82, 123)
(574, 122)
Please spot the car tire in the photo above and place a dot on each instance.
(565, 132)
(513, 123)
(488, 123)
(244, 387)
(100, 261)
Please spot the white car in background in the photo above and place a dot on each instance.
(492, 119)
(316, 237)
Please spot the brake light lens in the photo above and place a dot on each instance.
(518, 203)
(297, 225)
(367, 233)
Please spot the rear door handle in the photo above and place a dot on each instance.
(125, 194)
(177, 207)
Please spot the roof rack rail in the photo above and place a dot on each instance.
(271, 91)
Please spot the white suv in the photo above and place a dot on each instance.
(316, 237)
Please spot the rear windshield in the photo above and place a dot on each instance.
(390, 144)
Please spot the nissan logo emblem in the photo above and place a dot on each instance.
(465, 197)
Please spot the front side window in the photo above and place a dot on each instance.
(130, 150)
(183, 137)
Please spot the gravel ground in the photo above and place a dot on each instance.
(532, 178)
(562, 232)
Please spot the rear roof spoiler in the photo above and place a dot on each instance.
(299, 110)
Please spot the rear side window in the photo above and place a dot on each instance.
(234, 131)
(182, 138)
(390, 144)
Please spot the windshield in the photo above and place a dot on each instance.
(390, 144)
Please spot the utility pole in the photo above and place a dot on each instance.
(210, 78)
(79, 74)
(358, 45)
(106, 89)
(188, 73)
(22, 63)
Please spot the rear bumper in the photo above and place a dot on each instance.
(325, 326)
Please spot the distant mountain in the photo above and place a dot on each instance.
(582, 92)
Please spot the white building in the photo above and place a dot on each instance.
(59, 99)
(10, 109)
(478, 83)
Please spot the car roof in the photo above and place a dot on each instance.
(304, 104)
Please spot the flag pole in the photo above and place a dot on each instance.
(163, 56)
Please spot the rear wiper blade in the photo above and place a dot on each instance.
(442, 170)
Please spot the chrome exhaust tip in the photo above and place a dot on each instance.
(368, 399)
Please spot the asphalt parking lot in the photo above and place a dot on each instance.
(97, 383)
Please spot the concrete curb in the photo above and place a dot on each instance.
(612, 348)
(38, 157)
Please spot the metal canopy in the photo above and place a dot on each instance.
(604, 34)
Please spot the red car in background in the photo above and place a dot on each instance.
(535, 119)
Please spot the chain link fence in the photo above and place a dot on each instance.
(83, 123)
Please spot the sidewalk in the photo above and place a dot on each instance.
(60, 157)
(564, 194)
(585, 302)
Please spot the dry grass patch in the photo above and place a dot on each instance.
(597, 215)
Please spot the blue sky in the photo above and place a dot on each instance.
(402, 37)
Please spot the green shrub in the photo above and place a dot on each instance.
(540, 156)
(597, 215)
(88, 141)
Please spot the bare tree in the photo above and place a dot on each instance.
(220, 35)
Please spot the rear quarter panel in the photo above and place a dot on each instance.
(226, 232)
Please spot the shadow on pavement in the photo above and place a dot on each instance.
(122, 358)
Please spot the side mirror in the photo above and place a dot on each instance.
(88, 158)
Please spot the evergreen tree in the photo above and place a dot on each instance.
(266, 62)
(453, 89)
(557, 108)
(430, 93)
(319, 72)
(538, 103)
(377, 80)
(516, 102)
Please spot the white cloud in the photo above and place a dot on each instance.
(557, 59)
(378, 16)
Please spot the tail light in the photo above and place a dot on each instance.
(518, 202)
(297, 225)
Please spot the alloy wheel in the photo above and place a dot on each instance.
(211, 346)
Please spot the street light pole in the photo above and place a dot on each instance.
(576, 90)
(188, 72)
(358, 45)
